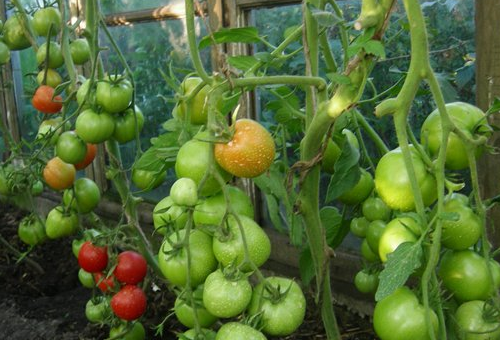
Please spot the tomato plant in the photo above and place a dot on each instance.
(360, 191)
(45, 101)
(131, 267)
(281, 303)
(396, 232)
(129, 303)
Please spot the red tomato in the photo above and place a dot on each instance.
(89, 157)
(129, 303)
(92, 258)
(131, 267)
(42, 100)
(105, 284)
(250, 152)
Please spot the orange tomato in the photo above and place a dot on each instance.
(59, 175)
(89, 157)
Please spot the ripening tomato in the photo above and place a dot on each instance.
(45, 101)
(59, 175)
(129, 303)
(249, 153)
(104, 282)
(89, 157)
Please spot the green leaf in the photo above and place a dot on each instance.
(399, 266)
(332, 222)
(231, 35)
(346, 173)
(465, 74)
(375, 47)
(271, 183)
(306, 266)
(495, 106)
(274, 212)
(325, 18)
(230, 101)
(242, 62)
(449, 92)
(172, 125)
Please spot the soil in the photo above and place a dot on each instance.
(51, 305)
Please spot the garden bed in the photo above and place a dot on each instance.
(51, 305)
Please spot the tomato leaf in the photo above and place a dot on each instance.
(346, 173)
(243, 62)
(274, 212)
(495, 106)
(332, 222)
(399, 266)
(375, 47)
(231, 35)
(324, 18)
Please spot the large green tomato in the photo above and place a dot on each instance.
(211, 211)
(31, 230)
(473, 323)
(393, 183)
(197, 108)
(283, 314)
(55, 55)
(462, 232)
(238, 331)
(193, 161)
(183, 309)
(400, 316)
(465, 273)
(94, 127)
(4, 53)
(60, 224)
(70, 148)
(229, 248)
(114, 97)
(167, 216)
(128, 125)
(84, 197)
(13, 33)
(226, 297)
(80, 51)
(467, 118)
(397, 231)
(44, 18)
(173, 264)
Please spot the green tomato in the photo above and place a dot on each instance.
(44, 18)
(226, 297)
(80, 51)
(128, 125)
(94, 127)
(212, 210)
(374, 208)
(359, 226)
(184, 192)
(81, 94)
(37, 188)
(469, 119)
(114, 97)
(137, 332)
(97, 310)
(367, 253)
(147, 180)
(193, 161)
(85, 198)
(197, 108)
(59, 224)
(396, 232)
(53, 78)
(55, 55)
(283, 311)
(401, 316)
(4, 53)
(183, 309)
(173, 265)
(360, 191)
(393, 183)
(86, 278)
(465, 230)
(168, 214)
(50, 128)
(70, 148)
(13, 33)
(465, 273)
(366, 282)
(474, 324)
(373, 233)
(228, 246)
(238, 331)
(191, 334)
(31, 230)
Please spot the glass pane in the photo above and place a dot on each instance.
(149, 48)
(118, 6)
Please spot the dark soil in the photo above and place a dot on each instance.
(51, 305)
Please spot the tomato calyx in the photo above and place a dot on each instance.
(490, 312)
(275, 294)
